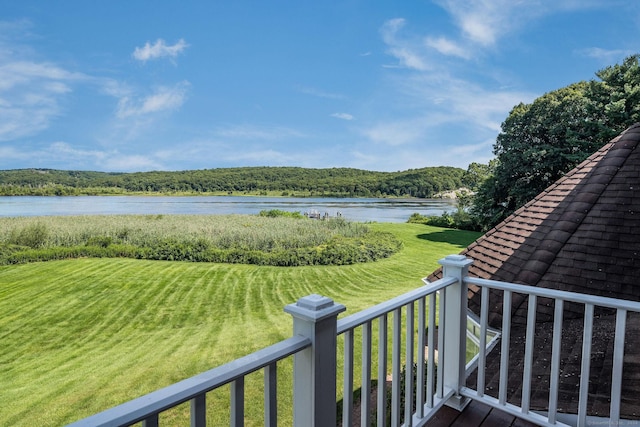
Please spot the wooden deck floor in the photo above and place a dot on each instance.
(475, 414)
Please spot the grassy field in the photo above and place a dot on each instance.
(277, 238)
(223, 231)
(79, 336)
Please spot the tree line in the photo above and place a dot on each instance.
(286, 181)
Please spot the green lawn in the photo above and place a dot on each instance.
(80, 336)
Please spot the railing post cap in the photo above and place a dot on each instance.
(314, 307)
(455, 261)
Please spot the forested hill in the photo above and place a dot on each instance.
(286, 181)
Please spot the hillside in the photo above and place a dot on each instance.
(341, 182)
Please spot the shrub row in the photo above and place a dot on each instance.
(338, 250)
(23, 254)
(459, 220)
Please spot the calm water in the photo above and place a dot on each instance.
(380, 210)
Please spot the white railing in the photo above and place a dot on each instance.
(392, 336)
(435, 383)
(550, 415)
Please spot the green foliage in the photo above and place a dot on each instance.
(100, 241)
(542, 141)
(477, 173)
(274, 213)
(286, 181)
(276, 238)
(461, 219)
(33, 235)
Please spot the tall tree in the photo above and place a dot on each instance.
(541, 141)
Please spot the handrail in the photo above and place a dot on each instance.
(556, 294)
(153, 403)
(371, 313)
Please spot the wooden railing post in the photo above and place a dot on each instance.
(454, 329)
(314, 369)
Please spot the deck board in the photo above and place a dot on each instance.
(476, 414)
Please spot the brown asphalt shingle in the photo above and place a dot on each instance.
(582, 234)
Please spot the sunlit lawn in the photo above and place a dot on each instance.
(80, 336)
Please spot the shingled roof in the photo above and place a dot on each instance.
(582, 234)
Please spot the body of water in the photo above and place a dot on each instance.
(356, 209)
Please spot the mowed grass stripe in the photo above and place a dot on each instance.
(80, 336)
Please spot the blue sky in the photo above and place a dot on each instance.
(377, 85)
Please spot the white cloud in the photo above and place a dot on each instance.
(163, 99)
(484, 21)
(159, 50)
(436, 96)
(447, 47)
(31, 95)
(405, 51)
(114, 88)
(66, 151)
(343, 116)
(24, 73)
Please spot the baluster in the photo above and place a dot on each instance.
(420, 380)
(365, 412)
(237, 402)
(199, 411)
(395, 385)
(271, 395)
(528, 353)
(408, 378)
(347, 385)
(618, 360)
(482, 356)
(441, 350)
(586, 365)
(431, 373)
(554, 381)
(382, 370)
(150, 421)
(504, 358)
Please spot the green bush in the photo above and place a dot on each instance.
(460, 220)
(274, 213)
(33, 235)
(25, 255)
(100, 241)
